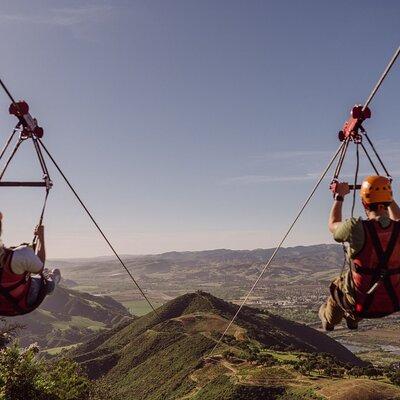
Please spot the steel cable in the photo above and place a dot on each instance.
(97, 226)
(279, 245)
(382, 78)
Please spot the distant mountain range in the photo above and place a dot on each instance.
(166, 356)
(219, 271)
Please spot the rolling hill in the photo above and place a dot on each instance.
(262, 357)
(69, 317)
(295, 286)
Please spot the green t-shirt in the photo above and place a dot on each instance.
(351, 230)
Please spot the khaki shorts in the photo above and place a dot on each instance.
(340, 303)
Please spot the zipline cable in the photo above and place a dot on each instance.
(342, 150)
(382, 78)
(97, 226)
(280, 244)
(7, 91)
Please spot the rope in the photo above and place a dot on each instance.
(376, 154)
(341, 158)
(280, 244)
(355, 178)
(9, 140)
(41, 159)
(10, 158)
(97, 225)
(35, 238)
(382, 78)
(369, 158)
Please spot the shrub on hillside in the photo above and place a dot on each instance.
(394, 377)
(322, 363)
(393, 373)
(23, 376)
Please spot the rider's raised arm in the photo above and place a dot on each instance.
(40, 249)
(335, 216)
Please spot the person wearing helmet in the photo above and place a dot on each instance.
(20, 292)
(370, 288)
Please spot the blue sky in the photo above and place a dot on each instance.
(191, 125)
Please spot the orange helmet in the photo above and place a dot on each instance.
(376, 189)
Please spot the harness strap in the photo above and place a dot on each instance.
(12, 300)
(371, 271)
(382, 272)
(15, 286)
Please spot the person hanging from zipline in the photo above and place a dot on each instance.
(21, 293)
(370, 287)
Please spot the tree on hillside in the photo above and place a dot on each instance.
(8, 332)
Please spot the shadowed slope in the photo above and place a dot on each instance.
(68, 317)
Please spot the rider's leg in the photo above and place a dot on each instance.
(34, 290)
(330, 314)
(53, 279)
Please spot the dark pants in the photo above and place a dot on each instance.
(36, 284)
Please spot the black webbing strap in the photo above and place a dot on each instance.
(35, 237)
(372, 271)
(382, 270)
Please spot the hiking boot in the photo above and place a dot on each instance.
(351, 322)
(326, 326)
(56, 276)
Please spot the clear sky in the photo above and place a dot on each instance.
(190, 125)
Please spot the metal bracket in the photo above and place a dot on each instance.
(353, 125)
(29, 124)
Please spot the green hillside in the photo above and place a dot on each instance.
(262, 357)
(69, 317)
